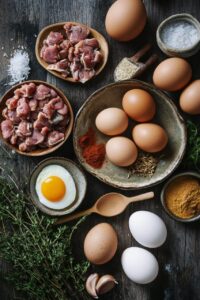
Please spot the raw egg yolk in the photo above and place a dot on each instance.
(53, 188)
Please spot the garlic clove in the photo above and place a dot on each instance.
(90, 285)
(105, 284)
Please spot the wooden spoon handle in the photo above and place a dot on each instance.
(140, 53)
(141, 197)
(67, 218)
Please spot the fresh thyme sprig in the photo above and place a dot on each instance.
(192, 156)
(40, 255)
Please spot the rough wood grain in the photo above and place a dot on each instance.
(179, 259)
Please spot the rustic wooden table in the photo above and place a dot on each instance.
(20, 22)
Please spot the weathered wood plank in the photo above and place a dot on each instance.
(179, 260)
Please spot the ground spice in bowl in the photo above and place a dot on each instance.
(93, 153)
(182, 197)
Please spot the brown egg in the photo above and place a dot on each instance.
(112, 121)
(100, 244)
(190, 98)
(126, 19)
(139, 105)
(172, 74)
(121, 151)
(150, 137)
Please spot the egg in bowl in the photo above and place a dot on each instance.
(55, 187)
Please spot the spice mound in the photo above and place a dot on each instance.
(93, 153)
(145, 165)
(182, 197)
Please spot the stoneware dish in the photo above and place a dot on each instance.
(38, 152)
(196, 218)
(79, 179)
(59, 27)
(167, 116)
(191, 50)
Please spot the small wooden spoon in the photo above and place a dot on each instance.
(59, 27)
(108, 205)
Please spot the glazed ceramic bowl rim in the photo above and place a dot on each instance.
(169, 20)
(73, 207)
(162, 197)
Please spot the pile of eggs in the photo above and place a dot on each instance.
(139, 265)
(140, 106)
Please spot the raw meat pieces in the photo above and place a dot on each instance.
(75, 54)
(35, 117)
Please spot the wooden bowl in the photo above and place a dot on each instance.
(59, 27)
(76, 173)
(166, 115)
(37, 152)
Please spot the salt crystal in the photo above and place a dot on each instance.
(18, 68)
(180, 35)
(168, 268)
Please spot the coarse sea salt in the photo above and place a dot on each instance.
(18, 68)
(179, 35)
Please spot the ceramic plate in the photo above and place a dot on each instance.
(79, 179)
(167, 116)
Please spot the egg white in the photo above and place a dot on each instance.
(62, 173)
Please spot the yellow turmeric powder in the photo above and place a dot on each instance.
(182, 197)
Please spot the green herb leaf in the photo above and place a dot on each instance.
(40, 255)
(192, 156)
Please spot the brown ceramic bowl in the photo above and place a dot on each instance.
(59, 27)
(162, 197)
(166, 115)
(76, 173)
(37, 152)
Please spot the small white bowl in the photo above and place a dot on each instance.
(186, 52)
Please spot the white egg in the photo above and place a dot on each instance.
(55, 182)
(148, 229)
(139, 265)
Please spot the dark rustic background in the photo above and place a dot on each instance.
(20, 22)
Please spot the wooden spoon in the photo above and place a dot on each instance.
(59, 28)
(108, 205)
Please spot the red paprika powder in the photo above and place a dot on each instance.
(94, 154)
